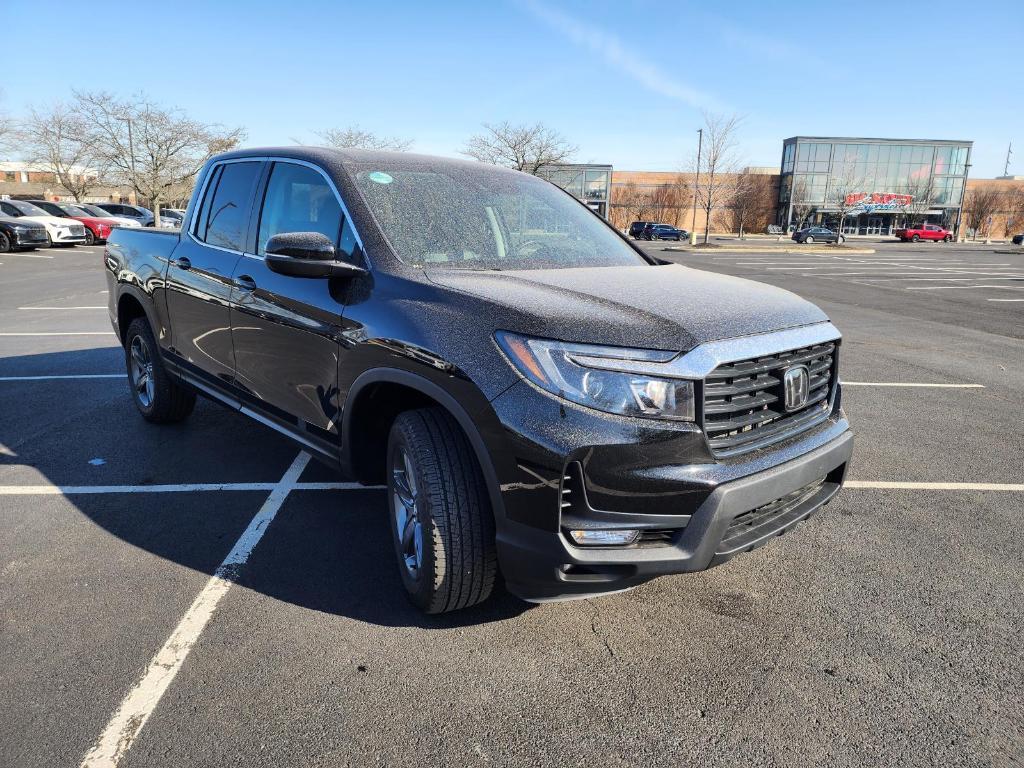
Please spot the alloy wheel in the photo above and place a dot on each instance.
(142, 372)
(408, 527)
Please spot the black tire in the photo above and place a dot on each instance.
(916, 238)
(808, 239)
(452, 561)
(5, 242)
(167, 401)
(90, 238)
(49, 241)
(947, 239)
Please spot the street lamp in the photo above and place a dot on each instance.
(696, 186)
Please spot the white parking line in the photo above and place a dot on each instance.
(1004, 299)
(960, 287)
(129, 719)
(86, 490)
(62, 333)
(75, 376)
(53, 308)
(876, 484)
(909, 384)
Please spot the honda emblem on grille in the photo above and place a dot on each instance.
(796, 382)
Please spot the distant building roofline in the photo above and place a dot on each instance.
(865, 139)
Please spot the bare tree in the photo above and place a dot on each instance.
(1014, 207)
(59, 140)
(7, 127)
(920, 192)
(634, 202)
(353, 137)
(526, 148)
(751, 203)
(151, 148)
(800, 206)
(718, 160)
(846, 190)
(979, 206)
(672, 199)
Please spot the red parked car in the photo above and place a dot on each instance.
(97, 229)
(924, 232)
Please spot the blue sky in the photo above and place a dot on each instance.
(626, 82)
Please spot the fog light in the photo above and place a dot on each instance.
(605, 538)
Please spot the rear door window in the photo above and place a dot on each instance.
(225, 218)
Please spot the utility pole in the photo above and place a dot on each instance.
(696, 187)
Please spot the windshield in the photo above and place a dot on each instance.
(71, 210)
(460, 217)
(94, 210)
(27, 208)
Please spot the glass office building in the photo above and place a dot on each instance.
(874, 185)
(589, 183)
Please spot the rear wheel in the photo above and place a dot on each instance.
(159, 398)
(808, 239)
(916, 238)
(441, 520)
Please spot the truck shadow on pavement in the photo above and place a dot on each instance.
(329, 551)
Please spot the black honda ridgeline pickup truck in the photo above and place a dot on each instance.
(540, 397)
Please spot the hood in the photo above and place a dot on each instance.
(657, 307)
(50, 221)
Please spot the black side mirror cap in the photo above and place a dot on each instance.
(307, 254)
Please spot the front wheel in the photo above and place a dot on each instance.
(808, 239)
(947, 239)
(159, 398)
(916, 238)
(90, 238)
(5, 242)
(442, 524)
(49, 241)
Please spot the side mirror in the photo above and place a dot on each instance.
(307, 254)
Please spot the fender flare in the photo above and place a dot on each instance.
(144, 300)
(443, 398)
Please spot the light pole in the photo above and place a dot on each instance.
(963, 198)
(696, 186)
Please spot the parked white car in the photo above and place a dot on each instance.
(95, 210)
(58, 231)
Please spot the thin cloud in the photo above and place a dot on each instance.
(611, 49)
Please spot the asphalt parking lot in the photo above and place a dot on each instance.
(885, 631)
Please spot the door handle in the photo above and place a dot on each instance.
(182, 263)
(245, 282)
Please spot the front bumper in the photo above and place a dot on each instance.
(29, 238)
(64, 237)
(736, 516)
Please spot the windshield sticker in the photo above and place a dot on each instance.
(379, 177)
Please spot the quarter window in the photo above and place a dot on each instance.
(225, 216)
(299, 199)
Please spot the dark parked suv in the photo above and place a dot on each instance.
(664, 232)
(637, 228)
(539, 397)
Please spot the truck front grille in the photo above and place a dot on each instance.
(744, 402)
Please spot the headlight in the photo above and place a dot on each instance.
(585, 374)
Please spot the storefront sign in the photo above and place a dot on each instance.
(878, 201)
